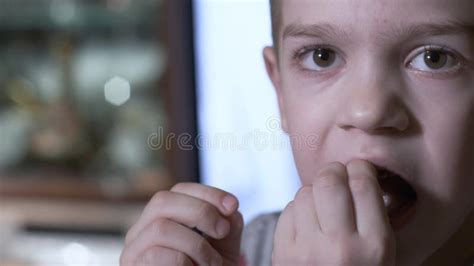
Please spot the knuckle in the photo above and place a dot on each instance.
(160, 228)
(180, 186)
(303, 192)
(160, 198)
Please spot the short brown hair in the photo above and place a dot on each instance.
(275, 9)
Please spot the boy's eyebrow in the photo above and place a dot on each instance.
(326, 31)
(428, 29)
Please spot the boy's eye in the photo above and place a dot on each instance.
(320, 59)
(323, 57)
(433, 60)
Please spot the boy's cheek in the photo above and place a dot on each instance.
(308, 136)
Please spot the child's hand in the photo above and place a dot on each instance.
(339, 220)
(164, 236)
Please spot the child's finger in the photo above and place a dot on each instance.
(306, 221)
(367, 197)
(166, 233)
(225, 202)
(285, 228)
(184, 209)
(222, 200)
(333, 200)
(160, 256)
(229, 246)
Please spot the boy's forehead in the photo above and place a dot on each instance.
(375, 15)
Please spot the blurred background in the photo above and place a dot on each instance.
(105, 102)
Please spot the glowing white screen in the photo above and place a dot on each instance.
(243, 150)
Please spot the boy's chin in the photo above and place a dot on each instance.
(399, 196)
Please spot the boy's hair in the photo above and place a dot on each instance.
(275, 10)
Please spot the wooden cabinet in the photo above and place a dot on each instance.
(92, 91)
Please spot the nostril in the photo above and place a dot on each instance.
(376, 130)
(374, 115)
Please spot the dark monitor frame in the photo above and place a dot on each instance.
(182, 105)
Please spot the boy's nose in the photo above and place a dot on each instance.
(373, 107)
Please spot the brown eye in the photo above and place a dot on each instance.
(435, 59)
(324, 57)
(320, 59)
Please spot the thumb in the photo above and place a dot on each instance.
(229, 246)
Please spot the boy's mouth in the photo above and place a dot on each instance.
(398, 195)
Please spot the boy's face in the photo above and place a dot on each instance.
(391, 82)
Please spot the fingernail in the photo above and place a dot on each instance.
(229, 203)
(222, 227)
